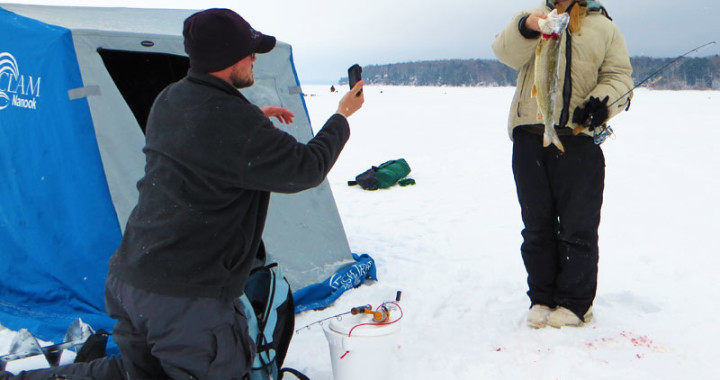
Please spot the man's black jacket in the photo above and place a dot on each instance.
(212, 159)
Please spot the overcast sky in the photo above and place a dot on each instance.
(329, 35)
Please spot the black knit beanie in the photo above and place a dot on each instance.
(218, 38)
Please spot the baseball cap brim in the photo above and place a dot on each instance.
(266, 44)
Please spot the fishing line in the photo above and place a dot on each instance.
(386, 320)
(665, 66)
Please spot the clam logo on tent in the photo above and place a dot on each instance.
(16, 90)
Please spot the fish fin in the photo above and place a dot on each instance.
(543, 21)
(540, 116)
(534, 91)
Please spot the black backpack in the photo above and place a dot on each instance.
(270, 312)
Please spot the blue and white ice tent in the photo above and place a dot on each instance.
(76, 85)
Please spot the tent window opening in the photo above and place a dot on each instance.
(141, 76)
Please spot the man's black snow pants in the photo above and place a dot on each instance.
(163, 337)
(560, 198)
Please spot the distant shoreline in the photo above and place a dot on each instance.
(701, 73)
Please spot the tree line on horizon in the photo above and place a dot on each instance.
(687, 73)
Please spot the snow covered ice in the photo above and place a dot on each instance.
(451, 243)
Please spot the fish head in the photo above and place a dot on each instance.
(555, 24)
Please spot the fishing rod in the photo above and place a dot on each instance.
(380, 316)
(665, 66)
(602, 132)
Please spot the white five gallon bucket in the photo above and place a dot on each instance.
(359, 346)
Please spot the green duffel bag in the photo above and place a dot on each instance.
(384, 176)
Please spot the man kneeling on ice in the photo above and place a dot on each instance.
(212, 159)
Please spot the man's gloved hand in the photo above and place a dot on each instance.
(593, 113)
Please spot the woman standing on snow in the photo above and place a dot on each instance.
(561, 193)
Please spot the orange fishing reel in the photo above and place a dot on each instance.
(382, 314)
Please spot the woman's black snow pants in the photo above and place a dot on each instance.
(560, 198)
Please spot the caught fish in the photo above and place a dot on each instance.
(547, 57)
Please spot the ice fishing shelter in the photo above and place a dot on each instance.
(76, 86)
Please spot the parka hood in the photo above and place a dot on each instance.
(593, 6)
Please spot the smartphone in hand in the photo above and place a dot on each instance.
(354, 76)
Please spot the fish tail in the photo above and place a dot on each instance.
(552, 138)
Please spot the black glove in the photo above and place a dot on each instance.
(593, 113)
